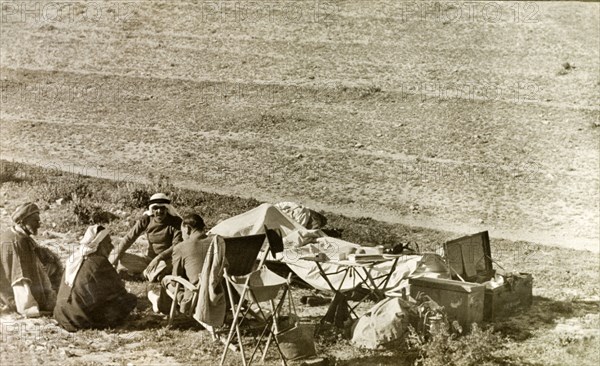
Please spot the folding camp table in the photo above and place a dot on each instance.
(363, 277)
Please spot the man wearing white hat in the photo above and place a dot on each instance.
(162, 225)
(91, 294)
(24, 283)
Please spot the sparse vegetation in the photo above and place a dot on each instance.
(145, 335)
(9, 173)
(449, 346)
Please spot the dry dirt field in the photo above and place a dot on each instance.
(453, 116)
(443, 115)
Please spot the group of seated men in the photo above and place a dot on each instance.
(91, 293)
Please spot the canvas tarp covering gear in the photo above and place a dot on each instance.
(332, 247)
(300, 242)
(306, 217)
(389, 319)
(254, 221)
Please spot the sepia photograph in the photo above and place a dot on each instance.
(299, 182)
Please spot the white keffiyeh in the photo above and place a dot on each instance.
(94, 235)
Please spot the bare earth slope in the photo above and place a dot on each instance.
(365, 108)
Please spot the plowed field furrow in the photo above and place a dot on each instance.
(460, 82)
(322, 92)
(527, 59)
(475, 132)
(264, 139)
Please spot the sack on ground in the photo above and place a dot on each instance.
(387, 321)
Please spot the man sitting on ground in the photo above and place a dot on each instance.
(162, 226)
(24, 283)
(188, 260)
(91, 294)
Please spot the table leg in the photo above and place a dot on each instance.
(387, 279)
(379, 290)
(338, 297)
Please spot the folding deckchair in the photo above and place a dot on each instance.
(254, 289)
(241, 254)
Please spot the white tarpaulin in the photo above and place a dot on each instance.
(302, 242)
(253, 222)
(332, 247)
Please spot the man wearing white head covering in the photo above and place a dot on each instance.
(24, 283)
(91, 294)
(162, 225)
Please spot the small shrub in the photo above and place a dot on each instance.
(88, 213)
(138, 198)
(449, 347)
(563, 308)
(9, 173)
(62, 219)
(65, 189)
(371, 90)
(84, 213)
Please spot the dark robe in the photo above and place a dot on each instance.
(52, 264)
(97, 300)
(19, 261)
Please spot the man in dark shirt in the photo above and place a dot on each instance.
(162, 226)
(188, 261)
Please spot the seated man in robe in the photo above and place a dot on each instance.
(24, 283)
(162, 226)
(188, 260)
(91, 294)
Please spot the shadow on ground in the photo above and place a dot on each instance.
(376, 360)
(543, 314)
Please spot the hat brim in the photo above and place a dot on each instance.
(157, 205)
(160, 201)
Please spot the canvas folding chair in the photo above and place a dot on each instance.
(257, 290)
(241, 254)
